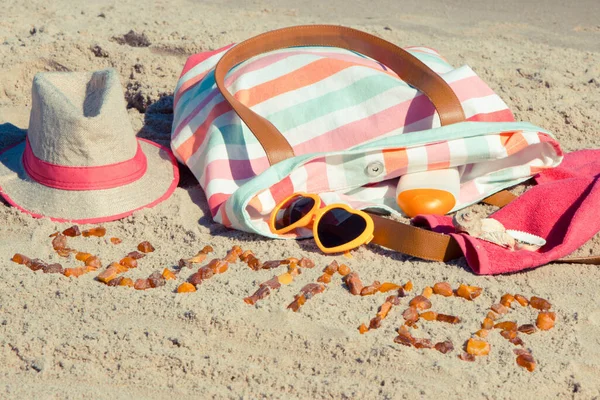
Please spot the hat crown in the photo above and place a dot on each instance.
(80, 119)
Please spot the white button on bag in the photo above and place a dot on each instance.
(374, 169)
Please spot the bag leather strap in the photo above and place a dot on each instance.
(388, 233)
(409, 68)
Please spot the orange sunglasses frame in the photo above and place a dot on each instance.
(314, 217)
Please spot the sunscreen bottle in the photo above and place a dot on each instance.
(428, 192)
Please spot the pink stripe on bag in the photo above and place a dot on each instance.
(84, 178)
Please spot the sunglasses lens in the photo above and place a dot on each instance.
(338, 226)
(291, 212)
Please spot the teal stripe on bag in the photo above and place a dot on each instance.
(352, 95)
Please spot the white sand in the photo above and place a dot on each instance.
(76, 338)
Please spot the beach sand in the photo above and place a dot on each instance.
(76, 338)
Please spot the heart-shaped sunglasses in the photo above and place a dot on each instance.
(336, 227)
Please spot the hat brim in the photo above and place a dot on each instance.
(89, 206)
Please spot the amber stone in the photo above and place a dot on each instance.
(145, 247)
(522, 300)
(156, 279)
(108, 274)
(332, 268)
(404, 337)
(236, 250)
(271, 264)
(354, 283)
(53, 269)
(427, 292)
(388, 286)
(526, 361)
(545, 320)
(527, 328)
(63, 252)
(72, 231)
(297, 303)
(195, 279)
(115, 282)
(82, 256)
(507, 299)
(99, 232)
(492, 315)
(443, 289)
(136, 255)
(74, 272)
(508, 334)
(285, 279)
(128, 262)
(21, 259)
(325, 278)
(254, 263)
(207, 249)
(294, 270)
(408, 286)
(411, 314)
(168, 274)
(395, 300)
(371, 289)
(198, 258)
(429, 315)
(499, 309)
(487, 324)
(444, 347)
(517, 341)
(312, 289)
(126, 282)
(115, 240)
(375, 322)
(141, 284)
(422, 343)
(94, 262)
(260, 293)
(384, 309)
(506, 325)
(450, 319)
(36, 264)
(482, 333)
(403, 340)
(272, 283)
(420, 302)
(186, 287)
(245, 255)
(230, 257)
(539, 303)
(467, 357)
(222, 267)
(59, 242)
(478, 347)
(363, 329)
(468, 292)
(306, 263)
(344, 270)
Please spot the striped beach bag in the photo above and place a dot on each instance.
(343, 114)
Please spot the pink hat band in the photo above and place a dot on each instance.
(84, 178)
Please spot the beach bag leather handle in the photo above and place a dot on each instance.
(409, 68)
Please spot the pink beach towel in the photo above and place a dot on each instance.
(564, 209)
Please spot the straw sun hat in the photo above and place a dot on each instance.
(81, 160)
